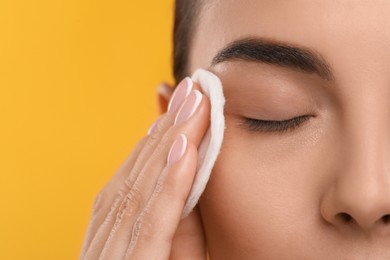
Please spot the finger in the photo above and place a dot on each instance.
(155, 227)
(109, 198)
(104, 195)
(165, 90)
(159, 131)
(143, 188)
(105, 223)
(110, 193)
(164, 93)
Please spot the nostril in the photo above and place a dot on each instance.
(345, 217)
(386, 219)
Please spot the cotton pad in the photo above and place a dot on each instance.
(210, 145)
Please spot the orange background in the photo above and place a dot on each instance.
(77, 80)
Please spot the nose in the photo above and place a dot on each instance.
(356, 207)
(358, 197)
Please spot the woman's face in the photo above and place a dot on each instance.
(319, 190)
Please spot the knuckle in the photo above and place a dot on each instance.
(160, 128)
(137, 227)
(160, 184)
(135, 201)
(154, 137)
(171, 190)
(145, 227)
(128, 183)
(131, 204)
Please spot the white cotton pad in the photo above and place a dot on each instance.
(210, 145)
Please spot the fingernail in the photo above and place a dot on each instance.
(153, 126)
(164, 90)
(181, 92)
(177, 150)
(189, 106)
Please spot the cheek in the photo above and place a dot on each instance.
(258, 191)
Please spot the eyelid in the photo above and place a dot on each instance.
(281, 126)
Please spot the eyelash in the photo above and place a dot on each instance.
(274, 126)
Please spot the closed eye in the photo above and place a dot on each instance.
(257, 125)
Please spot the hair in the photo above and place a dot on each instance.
(185, 19)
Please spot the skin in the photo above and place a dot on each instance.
(278, 196)
(136, 215)
(272, 195)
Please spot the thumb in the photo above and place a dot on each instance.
(189, 241)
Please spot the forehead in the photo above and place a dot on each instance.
(350, 34)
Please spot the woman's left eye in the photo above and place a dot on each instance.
(274, 126)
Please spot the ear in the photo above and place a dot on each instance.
(164, 93)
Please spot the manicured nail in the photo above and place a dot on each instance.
(189, 107)
(182, 90)
(177, 150)
(164, 90)
(153, 126)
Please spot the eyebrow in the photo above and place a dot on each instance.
(262, 50)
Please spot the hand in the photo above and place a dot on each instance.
(137, 213)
